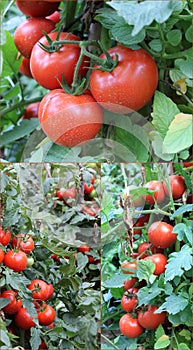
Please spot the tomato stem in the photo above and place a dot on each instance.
(20, 104)
(70, 12)
(22, 337)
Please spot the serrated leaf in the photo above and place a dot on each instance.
(183, 209)
(146, 295)
(164, 111)
(184, 232)
(185, 64)
(116, 281)
(145, 269)
(179, 134)
(162, 342)
(173, 304)
(35, 339)
(178, 262)
(21, 130)
(122, 33)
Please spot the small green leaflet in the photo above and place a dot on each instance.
(178, 262)
(173, 304)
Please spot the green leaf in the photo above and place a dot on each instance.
(117, 293)
(183, 346)
(185, 65)
(188, 34)
(183, 209)
(144, 13)
(5, 340)
(159, 332)
(164, 111)
(4, 302)
(145, 269)
(174, 37)
(157, 144)
(35, 339)
(3, 182)
(10, 62)
(178, 262)
(156, 45)
(173, 304)
(179, 135)
(107, 203)
(146, 294)
(162, 342)
(19, 131)
(116, 281)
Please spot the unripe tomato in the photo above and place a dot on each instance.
(23, 319)
(31, 110)
(159, 261)
(157, 196)
(29, 32)
(160, 234)
(149, 320)
(177, 185)
(23, 242)
(40, 289)
(129, 267)
(15, 303)
(37, 8)
(130, 283)
(2, 254)
(130, 326)
(47, 315)
(5, 236)
(17, 261)
(129, 299)
(30, 261)
(25, 67)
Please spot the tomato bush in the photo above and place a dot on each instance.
(45, 300)
(134, 63)
(160, 269)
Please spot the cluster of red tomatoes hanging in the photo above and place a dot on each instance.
(160, 237)
(71, 116)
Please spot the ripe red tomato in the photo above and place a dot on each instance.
(5, 236)
(50, 291)
(17, 261)
(29, 32)
(55, 17)
(120, 90)
(187, 164)
(65, 195)
(55, 257)
(159, 195)
(131, 265)
(146, 248)
(23, 319)
(142, 221)
(15, 303)
(31, 111)
(160, 262)
(69, 120)
(25, 67)
(88, 210)
(93, 180)
(149, 320)
(47, 315)
(84, 248)
(129, 284)
(88, 189)
(23, 242)
(42, 345)
(37, 8)
(2, 254)
(130, 326)
(40, 289)
(47, 68)
(160, 234)
(129, 299)
(178, 186)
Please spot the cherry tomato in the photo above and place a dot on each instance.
(149, 320)
(129, 299)
(23, 319)
(91, 259)
(55, 257)
(47, 315)
(31, 111)
(130, 326)
(120, 90)
(141, 221)
(48, 68)
(15, 303)
(177, 185)
(129, 284)
(160, 262)
(88, 189)
(157, 196)
(40, 289)
(23, 242)
(17, 261)
(146, 248)
(69, 120)
(37, 8)
(2, 254)
(25, 67)
(5, 236)
(131, 265)
(55, 17)
(84, 248)
(160, 234)
(29, 32)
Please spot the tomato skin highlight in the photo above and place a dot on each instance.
(29, 32)
(160, 262)
(15, 303)
(159, 196)
(178, 186)
(17, 261)
(69, 120)
(160, 234)
(130, 326)
(37, 8)
(149, 320)
(47, 67)
(23, 319)
(120, 91)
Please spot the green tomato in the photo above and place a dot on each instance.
(93, 194)
(30, 261)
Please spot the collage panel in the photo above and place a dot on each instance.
(50, 246)
(146, 231)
